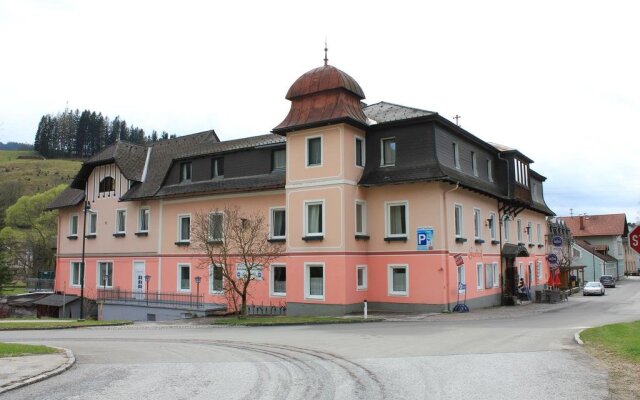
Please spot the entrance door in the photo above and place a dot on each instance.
(511, 277)
(138, 280)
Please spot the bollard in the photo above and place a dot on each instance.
(365, 309)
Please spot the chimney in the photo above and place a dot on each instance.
(582, 222)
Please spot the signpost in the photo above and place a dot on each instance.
(557, 241)
(634, 239)
(552, 258)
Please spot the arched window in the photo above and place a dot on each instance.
(107, 185)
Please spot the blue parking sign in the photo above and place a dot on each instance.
(424, 238)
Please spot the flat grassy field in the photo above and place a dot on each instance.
(35, 175)
(622, 340)
(18, 349)
(10, 290)
(285, 320)
(25, 324)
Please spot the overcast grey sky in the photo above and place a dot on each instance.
(556, 79)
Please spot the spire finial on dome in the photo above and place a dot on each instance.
(326, 60)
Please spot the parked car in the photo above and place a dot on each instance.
(608, 281)
(593, 288)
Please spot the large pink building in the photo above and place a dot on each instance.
(382, 202)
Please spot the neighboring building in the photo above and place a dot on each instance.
(607, 234)
(594, 263)
(632, 266)
(346, 186)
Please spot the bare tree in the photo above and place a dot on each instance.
(238, 250)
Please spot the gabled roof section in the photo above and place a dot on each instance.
(68, 198)
(598, 225)
(589, 248)
(382, 112)
(510, 150)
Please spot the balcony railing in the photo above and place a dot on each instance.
(39, 285)
(155, 299)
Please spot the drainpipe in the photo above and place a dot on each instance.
(446, 244)
(501, 221)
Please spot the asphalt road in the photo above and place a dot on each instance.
(524, 352)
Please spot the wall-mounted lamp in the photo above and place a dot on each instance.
(489, 223)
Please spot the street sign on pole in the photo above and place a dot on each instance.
(634, 239)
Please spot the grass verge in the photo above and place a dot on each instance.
(18, 349)
(16, 324)
(11, 290)
(286, 320)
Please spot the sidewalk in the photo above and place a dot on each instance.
(16, 372)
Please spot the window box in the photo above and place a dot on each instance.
(362, 237)
(277, 240)
(141, 233)
(460, 240)
(540, 246)
(90, 236)
(495, 242)
(479, 241)
(118, 235)
(395, 239)
(531, 245)
(73, 237)
(182, 243)
(313, 238)
(520, 243)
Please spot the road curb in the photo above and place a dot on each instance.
(576, 337)
(70, 359)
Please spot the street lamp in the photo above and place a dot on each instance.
(86, 207)
(147, 278)
(198, 279)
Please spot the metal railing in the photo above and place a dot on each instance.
(174, 300)
(40, 285)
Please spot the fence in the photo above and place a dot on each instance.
(39, 285)
(270, 309)
(174, 300)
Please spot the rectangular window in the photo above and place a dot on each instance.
(359, 152)
(314, 281)
(314, 218)
(496, 275)
(215, 279)
(396, 215)
(216, 227)
(456, 156)
(477, 224)
(458, 220)
(184, 228)
(278, 226)
(532, 276)
(185, 172)
(279, 159)
(506, 228)
(489, 171)
(474, 164)
(105, 275)
(217, 168)
(519, 229)
(530, 232)
(92, 226)
(539, 270)
(388, 151)
(361, 218)
(488, 276)
(492, 226)
(73, 225)
(398, 278)
(361, 277)
(121, 221)
(184, 277)
(539, 233)
(143, 220)
(75, 278)
(462, 280)
(314, 151)
(278, 280)
(479, 276)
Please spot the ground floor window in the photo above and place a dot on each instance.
(184, 277)
(479, 276)
(361, 277)
(76, 273)
(215, 279)
(496, 275)
(539, 270)
(278, 280)
(532, 277)
(488, 276)
(314, 281)
(105, 274)
(398, 278)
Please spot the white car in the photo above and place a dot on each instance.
(593, 288)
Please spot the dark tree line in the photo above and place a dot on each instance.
(79, 135)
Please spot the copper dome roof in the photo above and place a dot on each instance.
(324, 78)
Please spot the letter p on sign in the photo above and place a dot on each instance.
(634, 239)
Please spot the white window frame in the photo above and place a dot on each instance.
(215, 168)
(458, 220)
(362, 151)
(306, 153)
(92, 215)
(306, 214)
(505, 221)
(480, 276)
(474, 163)
(364, 269)
(477, 223)
(272, 210)
(496, 275)
(72, 274)
(99, 283)
(390, 290)
(211, 280)
(519, 229)
(273, 161)
(387, 216)
(124, 228)
(179, 233)
(363, 208)
(539, 270)
(530, 231)
(539, 233)
(489, 171)
(272, 276)
(520, 269)
(73, 217)
(532, 280)
(492, 229)
(184, 165)
(456, 155)
(383, 161)
(307, 283)
(142, 212)
(179, 268)
(461, 275)
(210, 237)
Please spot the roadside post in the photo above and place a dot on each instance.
(365, 309)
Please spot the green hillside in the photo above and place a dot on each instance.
(32, 175)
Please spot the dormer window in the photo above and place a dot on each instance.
(278, 160)
(217, 167)
(107, 184)
(388, 151)
(185, 172)
(456, 155)
(521, 172)
(474, 163)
